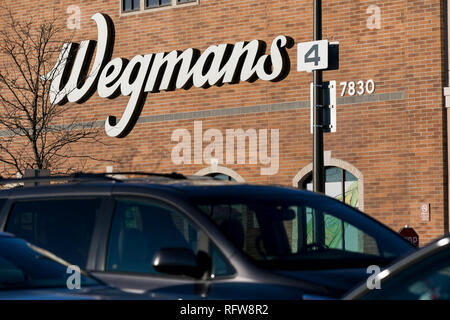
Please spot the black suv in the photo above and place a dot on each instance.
(197, 238)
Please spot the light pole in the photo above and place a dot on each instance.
(318, 169)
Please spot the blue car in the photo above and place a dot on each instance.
(423, 275)
(31, 273)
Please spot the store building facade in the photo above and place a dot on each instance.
(211, 87)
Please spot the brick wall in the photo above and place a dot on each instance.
(399, 145)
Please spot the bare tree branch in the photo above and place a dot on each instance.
(34, 131)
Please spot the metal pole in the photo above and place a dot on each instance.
(318, 170)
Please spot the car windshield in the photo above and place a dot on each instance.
(280, 232)
(23, 266)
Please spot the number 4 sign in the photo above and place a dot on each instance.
(312, 55)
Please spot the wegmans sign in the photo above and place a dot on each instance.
(71, 80)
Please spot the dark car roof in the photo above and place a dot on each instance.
(236, 189)
(188, 189)
(196, 188)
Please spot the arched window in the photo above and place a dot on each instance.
(339, 184)
(344, 182)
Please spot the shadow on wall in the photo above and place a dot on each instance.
(132, 158)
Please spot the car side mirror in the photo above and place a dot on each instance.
(182, 261)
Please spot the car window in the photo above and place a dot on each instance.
(279, 232)
(23, 266)
(220, 265)
(267, 232)
(338, 234)
(140, 228)
(63, 227)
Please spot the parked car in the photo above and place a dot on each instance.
(423, 275)
(28, 272)
(198, 238)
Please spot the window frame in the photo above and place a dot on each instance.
(144, 8)
(157, 6)
(181, 2)
(122, 6)
(303, 182)
(334, 162)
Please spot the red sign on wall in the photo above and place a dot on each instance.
(410, 234)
